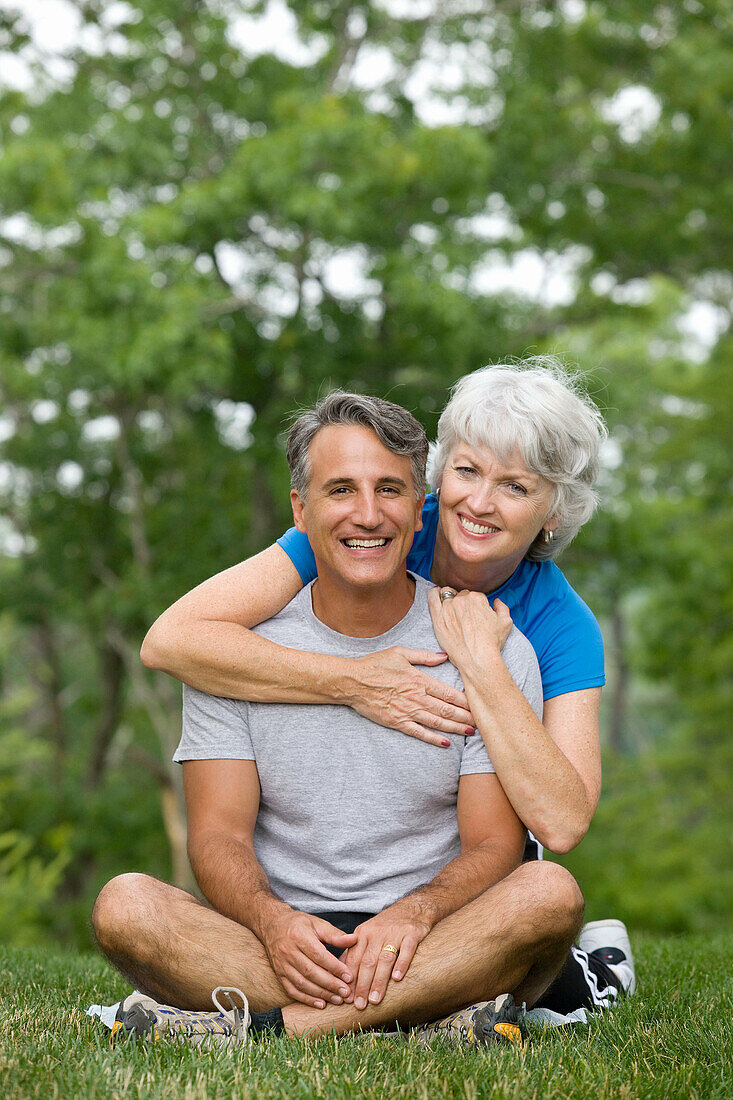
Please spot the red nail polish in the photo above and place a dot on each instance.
(446, 744)
(470, 731)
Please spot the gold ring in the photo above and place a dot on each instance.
(447, 594)
(391, 948)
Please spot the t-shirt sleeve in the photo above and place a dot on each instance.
(213, 728)
(571, 656)
(474, 759)
(298, 548)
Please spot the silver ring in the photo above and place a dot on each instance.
(447, 594)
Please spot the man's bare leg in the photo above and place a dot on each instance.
(514, 938)
(177, 950)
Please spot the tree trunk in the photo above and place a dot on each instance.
(173, 810)
(174, 819)
(50, 680)
(112, 675)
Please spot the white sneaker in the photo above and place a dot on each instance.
(608, 940)
(140, 1017)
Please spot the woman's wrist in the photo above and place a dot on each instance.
(482, 668)
(342, 683)
(472, 658)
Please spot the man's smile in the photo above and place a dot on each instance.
(365, 544)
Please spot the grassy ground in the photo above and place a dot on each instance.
(674, 1039)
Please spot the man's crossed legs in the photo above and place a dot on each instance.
(514, 938)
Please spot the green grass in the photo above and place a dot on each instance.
(673, 1039)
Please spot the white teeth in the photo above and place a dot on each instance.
(476, 528)
(365, 544)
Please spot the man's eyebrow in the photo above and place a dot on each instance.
(333, 481)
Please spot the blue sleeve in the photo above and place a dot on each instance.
(297, 547)
(571, 653)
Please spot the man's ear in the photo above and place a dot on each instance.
(298, 505)
(418, 517)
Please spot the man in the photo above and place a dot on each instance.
(314, 834)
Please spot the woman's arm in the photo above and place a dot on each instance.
(206, 640)
(551, 772)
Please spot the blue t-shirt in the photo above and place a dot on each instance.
(561, 627)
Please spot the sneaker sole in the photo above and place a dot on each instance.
(487, 1028)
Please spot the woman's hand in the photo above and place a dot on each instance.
(466, 624)
(387, 688)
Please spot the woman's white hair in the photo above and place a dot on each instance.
(535, 407)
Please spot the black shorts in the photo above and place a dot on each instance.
(346, 922)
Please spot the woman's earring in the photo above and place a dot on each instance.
(547, 536)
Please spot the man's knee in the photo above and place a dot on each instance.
(120, 906)
(548, 896)
(559, 895)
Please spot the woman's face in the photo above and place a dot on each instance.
(490, 511)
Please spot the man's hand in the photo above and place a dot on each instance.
(399, 927)
(308, 972)
(387, 688)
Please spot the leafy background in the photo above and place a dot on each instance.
(198, 234)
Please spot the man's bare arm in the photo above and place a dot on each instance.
(205, 639)
(492, 842)
(222, 799)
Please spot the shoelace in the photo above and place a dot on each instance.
(238, 1017)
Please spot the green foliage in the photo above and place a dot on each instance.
(658, 854)
(29, 885)
(30, 870)
(172, 220)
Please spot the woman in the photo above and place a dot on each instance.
(514, 466)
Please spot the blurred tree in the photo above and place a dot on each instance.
(184, 222)
(194, 239)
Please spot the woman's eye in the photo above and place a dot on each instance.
(465, 471)
(517, 488)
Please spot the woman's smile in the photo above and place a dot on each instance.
(474, 527)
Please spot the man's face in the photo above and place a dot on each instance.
(361, 511)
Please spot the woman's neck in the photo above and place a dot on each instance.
(476, 577)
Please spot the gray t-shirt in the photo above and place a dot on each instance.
(352, 815)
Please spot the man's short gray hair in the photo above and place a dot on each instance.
(534, 407)
(395, 427)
